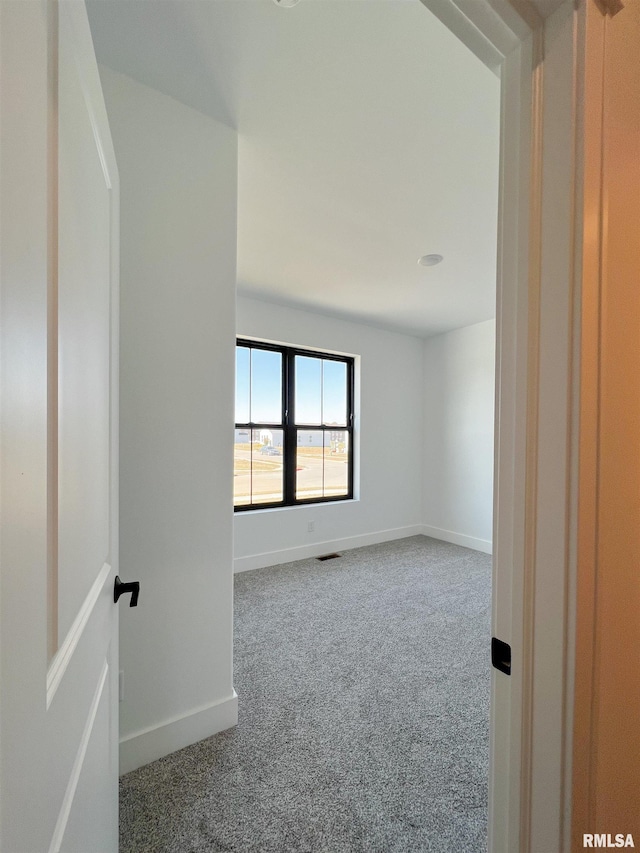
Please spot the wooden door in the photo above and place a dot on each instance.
(606, 741)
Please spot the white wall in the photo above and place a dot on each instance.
(459, 371)
(388, 427)
(178, 174)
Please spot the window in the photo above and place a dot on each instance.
(294, 426)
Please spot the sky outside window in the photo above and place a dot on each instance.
(321, 391)
(308, 399)
(258, 386)
(334, 392)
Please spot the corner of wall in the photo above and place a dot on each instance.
(155, 742)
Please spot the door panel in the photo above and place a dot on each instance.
(89, 788)
(81, 710)
(83, 342)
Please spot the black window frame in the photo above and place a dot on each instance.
(290, 428)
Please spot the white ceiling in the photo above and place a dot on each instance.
(368, 136)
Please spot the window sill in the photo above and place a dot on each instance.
(310, 505)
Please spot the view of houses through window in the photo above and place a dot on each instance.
(294, 422)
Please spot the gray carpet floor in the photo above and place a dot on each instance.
(363, 685)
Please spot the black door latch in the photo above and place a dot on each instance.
(133, 587)
(501, 655)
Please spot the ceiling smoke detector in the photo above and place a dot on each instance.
(286, 4)
(429, 260)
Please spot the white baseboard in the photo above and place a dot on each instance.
(287, 555)
(484, 545)
(157, 741)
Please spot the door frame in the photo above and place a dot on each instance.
(540, 62)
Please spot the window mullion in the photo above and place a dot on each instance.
(288, 415)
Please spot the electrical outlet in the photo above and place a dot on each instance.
(121, 685)
(311, 526)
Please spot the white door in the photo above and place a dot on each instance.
(59, 655)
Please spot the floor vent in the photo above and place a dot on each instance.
(328, 557)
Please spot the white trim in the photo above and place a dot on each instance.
(302, 552)
(76, 770)
(484, 545)
(553, 533)
(63, 656)
(155, 742)
(517, 281)
(457, 22)
(74, 16)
